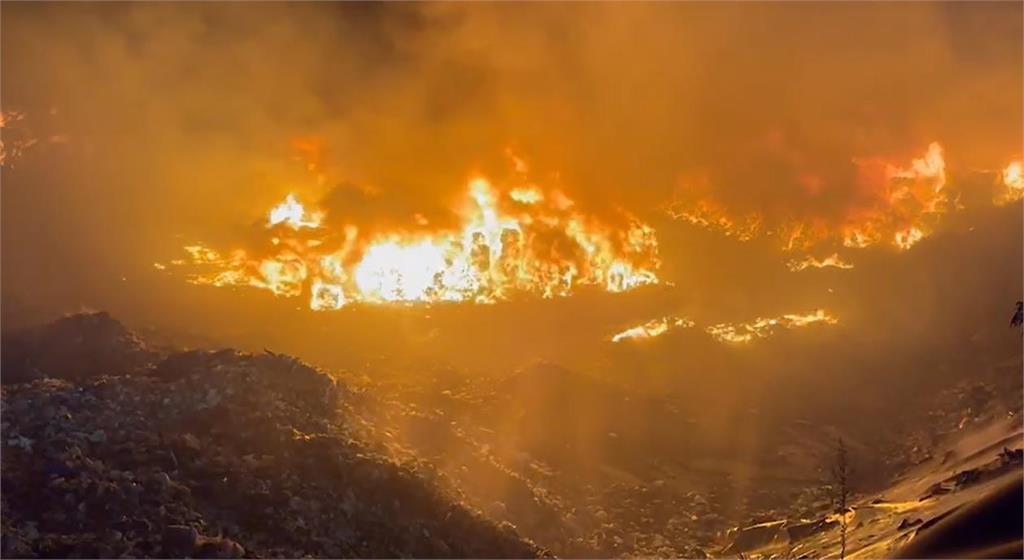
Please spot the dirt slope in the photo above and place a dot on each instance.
(967, 469)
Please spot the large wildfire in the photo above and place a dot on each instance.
(901, 205)
(519, 239)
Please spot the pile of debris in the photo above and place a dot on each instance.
(130, 451)
(74, 347)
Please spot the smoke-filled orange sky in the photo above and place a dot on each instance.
(143, 128)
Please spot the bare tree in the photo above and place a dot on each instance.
(840, 489)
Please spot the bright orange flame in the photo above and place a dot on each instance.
(326, 297)
(526, 195)
(709, 214)
(904, 208)
(652, 328)
(765, 327)
(293, 215)
(833, 261)
(1013, 180)
(522, 241)
(932, 166)
(518, 163)
(13, 142)
(913, 202)
(1013, 176)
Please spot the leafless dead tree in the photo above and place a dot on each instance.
(840, 489)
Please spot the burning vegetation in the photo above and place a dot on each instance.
(896, 206)
(763, 327)
(652, 328)
(728, 332)
(17, 138)
(513, 240)
(1013, 181)
(831, 261)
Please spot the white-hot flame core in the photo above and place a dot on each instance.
(293, 215)
(1013, 184)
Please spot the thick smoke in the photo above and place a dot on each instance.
(182, 121)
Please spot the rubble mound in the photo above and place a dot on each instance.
(76, 346)
(216, 454)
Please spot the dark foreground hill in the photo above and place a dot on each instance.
(111, 448)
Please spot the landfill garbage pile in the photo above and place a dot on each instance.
(216, 454)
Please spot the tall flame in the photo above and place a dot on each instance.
(520, 240)
(1013, 183)
(293, 215)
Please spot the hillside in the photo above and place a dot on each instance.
(113, 448)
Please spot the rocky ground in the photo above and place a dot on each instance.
(112, 448)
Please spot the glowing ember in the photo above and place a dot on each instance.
(765, 327)
(708, 214)
(831, 261)
(932, 166)
(14, 141)
(652, 328)
(520, 240)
